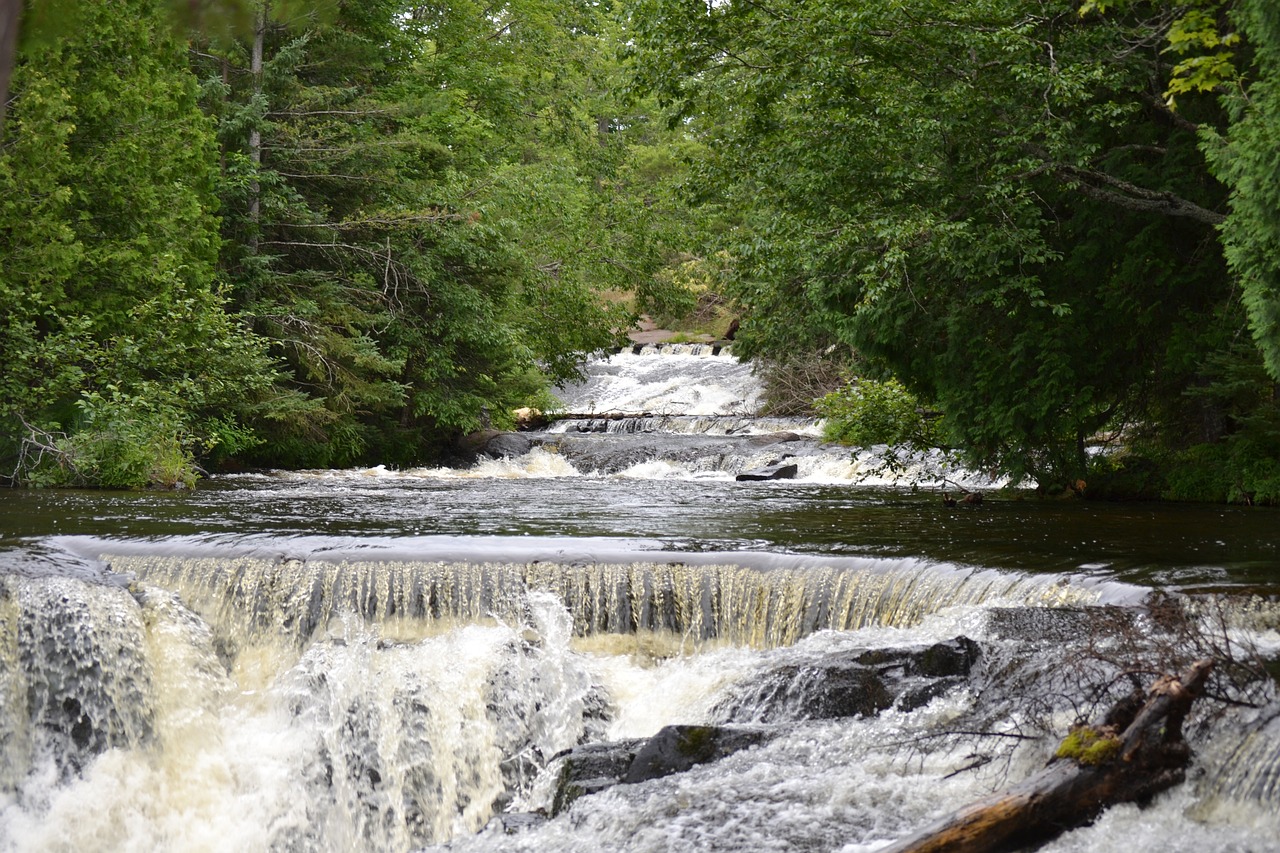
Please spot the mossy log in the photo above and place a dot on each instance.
(1137, 752)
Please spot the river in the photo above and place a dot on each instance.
(377, 659)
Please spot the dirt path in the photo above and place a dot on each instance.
(649, 333)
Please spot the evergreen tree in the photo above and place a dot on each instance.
(121, 362)
(991, 201)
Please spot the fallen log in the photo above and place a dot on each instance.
(1134, 754)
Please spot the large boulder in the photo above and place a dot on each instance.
(588, 769)
(781, 470)
(839, 686)
(507, 445)
(676, 749)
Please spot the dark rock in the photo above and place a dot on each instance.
(472, 444)
(779, 471)
(676, 749)
(865, 685)
(952, 658)
(507, 444)
(588, 769)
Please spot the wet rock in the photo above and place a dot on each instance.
(839, 686)
(776, 471)
(507, 444)
(588, 769)
(951, 658)
(676, 749)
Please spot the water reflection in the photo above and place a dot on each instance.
(1177, 545)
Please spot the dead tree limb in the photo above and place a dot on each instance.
(1133, 755)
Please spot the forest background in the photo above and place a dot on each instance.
(1043, 232)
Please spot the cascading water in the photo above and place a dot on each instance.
(404, 660)
(692, 410)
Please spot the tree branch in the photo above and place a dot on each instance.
(1133, 197)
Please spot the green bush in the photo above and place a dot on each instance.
(1232, 472)
(867, 412)
(119, 443)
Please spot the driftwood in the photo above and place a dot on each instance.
(1137, 752)
(604, 416)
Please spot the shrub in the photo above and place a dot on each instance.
(867, 412)
(119, 443)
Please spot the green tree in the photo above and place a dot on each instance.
(423, 205)
(115, 335)
(1247, 159)
(992, 201)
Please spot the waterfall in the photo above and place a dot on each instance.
(231, 701)
(386, 659)
(685, 380)
(760, 607)
(132, 723)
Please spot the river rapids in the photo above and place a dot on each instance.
(422, 660)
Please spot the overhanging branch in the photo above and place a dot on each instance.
(1107, 188)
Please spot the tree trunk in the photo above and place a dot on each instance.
(10, 20)
(255, 133)
(1146, 757)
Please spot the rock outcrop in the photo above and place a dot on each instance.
(839, 686)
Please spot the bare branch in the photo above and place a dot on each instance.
(1133, 197)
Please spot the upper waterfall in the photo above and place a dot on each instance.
(667, 379)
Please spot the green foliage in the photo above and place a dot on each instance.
(1208, 53)
(982, 199)
(436, 205)
(113, 325)
(1235, 472)
(1200, 35)
(867, 412)
(1247, 159)
(414, 218)
(421, 208)
(124, 444)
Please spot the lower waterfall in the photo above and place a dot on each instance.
(234, 702)
(473, 658)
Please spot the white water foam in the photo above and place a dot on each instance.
(828, 465)
(353, 743)
(367, 739)
(665, 383)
